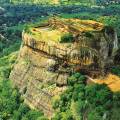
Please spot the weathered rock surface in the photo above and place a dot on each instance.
(43, 65)
(36, 82)
(92, 43)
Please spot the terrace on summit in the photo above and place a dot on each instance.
(56, 28)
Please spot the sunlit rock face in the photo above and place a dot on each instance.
(51, 52)
(36, 79)
(87, 42)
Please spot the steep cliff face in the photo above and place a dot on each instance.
(36, 82)
(51, 52)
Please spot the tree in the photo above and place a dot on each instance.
(93, 115)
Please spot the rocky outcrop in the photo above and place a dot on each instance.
(36, 81)
(43, 65)
(92, 43)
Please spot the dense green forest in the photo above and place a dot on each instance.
(77, 2)
(79, 101)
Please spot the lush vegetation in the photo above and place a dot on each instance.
(66, 38)
(12, 105)
(80, 100)
(116, 70)
(76, 2)
(86, 101)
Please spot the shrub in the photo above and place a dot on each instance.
(116, 71)
(66, 38)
